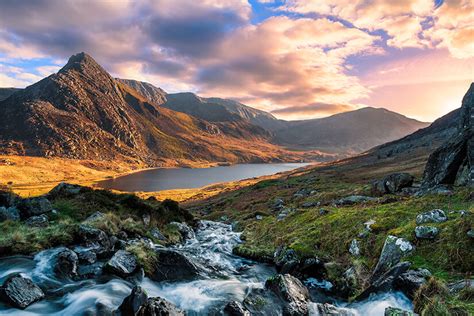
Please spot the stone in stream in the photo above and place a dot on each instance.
(95, 239)
(132, 303)
(66, 264)
(11, 213)
(292, 292)
(410, 281)
(426, 232)
(38, 221)
(20, 292)
(393, 250)
(157, 306)
(123, 264)
(185, 231)
(234, 308)
(89, 271)
(320, 309)
(85, 255)
(173, 266)
(433, 216)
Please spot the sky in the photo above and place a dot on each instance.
(297, 59)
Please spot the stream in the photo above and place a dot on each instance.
(227, 277)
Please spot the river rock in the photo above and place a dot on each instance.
(185, 231)
(38, 221)
(234, 308)
(393, 311)
(285, 260)
(320, 309)
(20, 292)
(426, 232)
(123, 264)
(393, 250)
(354, 248)
(410, 281)
(89, 271)
(157, 306)
(96, 239)
(132, 303)
(433, 216)
(173, 266)
(353, 199)
(64, 189)
(292, 292)
(66, 262)
(11, 213)
(34, 206)
(85, 255)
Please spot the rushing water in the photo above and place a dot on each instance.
(185, 178)
(227, 277)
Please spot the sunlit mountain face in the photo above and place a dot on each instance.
(297, 58)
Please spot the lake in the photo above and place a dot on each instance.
(187, 178)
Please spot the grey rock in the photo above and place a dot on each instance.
(278, 204)
(259, 217)
(394, 249)
(354, 248)
(185, 231)
(409, 282)
(326, 309)
(353, 199)
(123, 264)
(34, 206)
(310, 204)
(64, 189)
(234, 308)
(66, 262)
(96, 239)
(146, 219)
(38, 221)
(11, 213)
(155, 233)
(90, 271)
(292, 292)
(85, 255)
(157, 306)
(392, 183)
(470, 233)
(426, 232)
(433, 216)
(96, 217)
(173, 266)
(20, 292)
(132, 303)
(456, 287)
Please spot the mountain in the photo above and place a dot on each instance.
(81, 112)
(6, 92)
(149, 91)
(349, 132)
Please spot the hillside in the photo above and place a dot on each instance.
(6, 92)
(81, 112)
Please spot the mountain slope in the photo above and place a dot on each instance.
(81, 112)
(6, 92)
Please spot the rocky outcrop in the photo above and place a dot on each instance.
(292, 292)
(393, 250)
(20, 292)
(157, 306)
(132, 303)
(392, 183)
(34, 206)
(64, 190)
(123, 264)
(173, 266)
(453, 162)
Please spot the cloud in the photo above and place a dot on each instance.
(315, 109)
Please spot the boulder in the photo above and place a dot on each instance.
(394, 249)
(64, 189)
(11, 213)
(292, 292)
(38, 221)
(458, 286)
(426, 232)
(66, 262)
(89, 271)
(156, 233)
(285, 260)
(353, 199)
(157, 306)
(433, 216)
(410, 281)
(326, 309)
(354, 248)
(34, 206)
(8, 198)
(132, 303)
(85, 255)
(393, 311)
(392, 183)
(173, 266)
(20, 292)
(95, 239)
(453, 162)
(234, 308)
(185, 231)
(123, 264)
(278, 204)
(262, 302)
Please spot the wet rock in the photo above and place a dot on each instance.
(66, 264)
(157, 306)
(38, 221)
(394, 249)
(86, 256)
(96, 217)
(20, 292)
(34, 206)
(354, 248)
(326, 309)
(89, 271)
(235, 308)
(64, 189)
(311, 267)
(393, 311)
(353, 199)
(292, 292)
(262, 302)
(156, 233)
(285, 260)
(185, 231)
(173, 266)
(123, 264)
(132, 303)
(426, 232)
(434, 216)
(96, 239)
(11, 213)
(409, 282)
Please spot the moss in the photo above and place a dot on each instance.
(146, 256)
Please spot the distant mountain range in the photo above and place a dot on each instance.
(81, 112)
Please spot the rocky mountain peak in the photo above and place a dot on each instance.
(83, 63)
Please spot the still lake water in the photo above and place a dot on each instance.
(186, 178)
